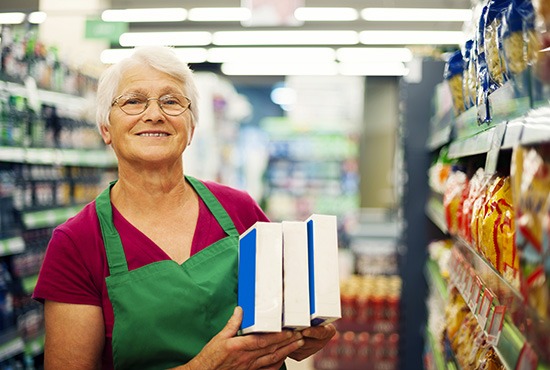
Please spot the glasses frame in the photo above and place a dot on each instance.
(147, 100)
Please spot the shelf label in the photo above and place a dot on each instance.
(485, 308)
(473, 300)
(528, 359)
(495, 325)
(492, 155)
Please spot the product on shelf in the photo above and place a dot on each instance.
(531, 186)
(454, 69)
(492, 38)
(455, 188)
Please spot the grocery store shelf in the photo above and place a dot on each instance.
(49, 217)
(64, 157)
(11, 344)
(11, 246)
(435, 212)
(510, 340)
(473, 145)
(433, 275)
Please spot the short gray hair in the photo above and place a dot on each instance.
(161, 58)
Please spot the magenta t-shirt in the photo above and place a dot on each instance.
(75, 265)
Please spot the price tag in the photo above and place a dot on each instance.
(495, 325)
(474, 297)
(492, 155)
(485, 308)
(528, 359)
(470, 278)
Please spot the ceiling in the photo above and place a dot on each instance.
(79, 9)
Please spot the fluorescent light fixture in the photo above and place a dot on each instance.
(270, 54)
(12, 18)
(219, 14)
(285, 38)
(360, 54)
(326, 14)
(197, 38)
(187, 55)
(144, 15)
(279, 69)
(373, 69)
(416, 15)
(412, 37)
(37, 17)
(283, 96)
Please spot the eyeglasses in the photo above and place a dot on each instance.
(134, 104)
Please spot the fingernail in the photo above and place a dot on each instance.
(300, 342)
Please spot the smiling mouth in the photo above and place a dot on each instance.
(153, 134)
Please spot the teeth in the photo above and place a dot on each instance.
(153, 134)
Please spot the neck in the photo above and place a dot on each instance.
(150, 191)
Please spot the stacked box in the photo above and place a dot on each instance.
(295, 276)
(260, 281)
(324, 283)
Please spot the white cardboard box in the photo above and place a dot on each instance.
(260, 290)
(295, 275)
(324, 279)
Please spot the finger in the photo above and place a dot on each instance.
(320, 332)
(233, 324)
(278, 355)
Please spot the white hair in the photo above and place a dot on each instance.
(161, 58)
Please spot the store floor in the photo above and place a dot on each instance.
(307, 364)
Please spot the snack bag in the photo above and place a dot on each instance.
(478, 212)
(493, 41)
(454, 69)
(469, 77)
(474, 189)
(520, 43)
(489, 248)
(531, 185)
(452, 199)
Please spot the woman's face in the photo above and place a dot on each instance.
(151, 137)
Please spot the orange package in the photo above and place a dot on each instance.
(452, 199)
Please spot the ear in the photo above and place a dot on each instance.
(190, 135)
(105, 134)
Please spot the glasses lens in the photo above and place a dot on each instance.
(173, 104)
(132, 104)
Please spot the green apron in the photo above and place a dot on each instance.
(165, 312)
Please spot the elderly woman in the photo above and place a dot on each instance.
(144, 277)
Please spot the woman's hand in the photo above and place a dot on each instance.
(249, 352)
(315, 338)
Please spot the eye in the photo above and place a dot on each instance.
(133, 100)
(170, 100)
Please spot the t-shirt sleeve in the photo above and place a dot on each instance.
(64, 275)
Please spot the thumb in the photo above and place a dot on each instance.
(233, 324)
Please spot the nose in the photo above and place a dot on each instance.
(153, 111)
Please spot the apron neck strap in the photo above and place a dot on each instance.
(111, 238)
(214, 206)
(113, 246)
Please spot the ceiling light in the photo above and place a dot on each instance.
(270, 54)
(37, 17)
(12, 18)
(285, 37)
(144, 15)
(326, 14)
(373, 69)
(283, 96)
(279, 69)
(197, 38)
(373, 54)
(219, 14)
(187, 55)
(416, 14)
(412, 37)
